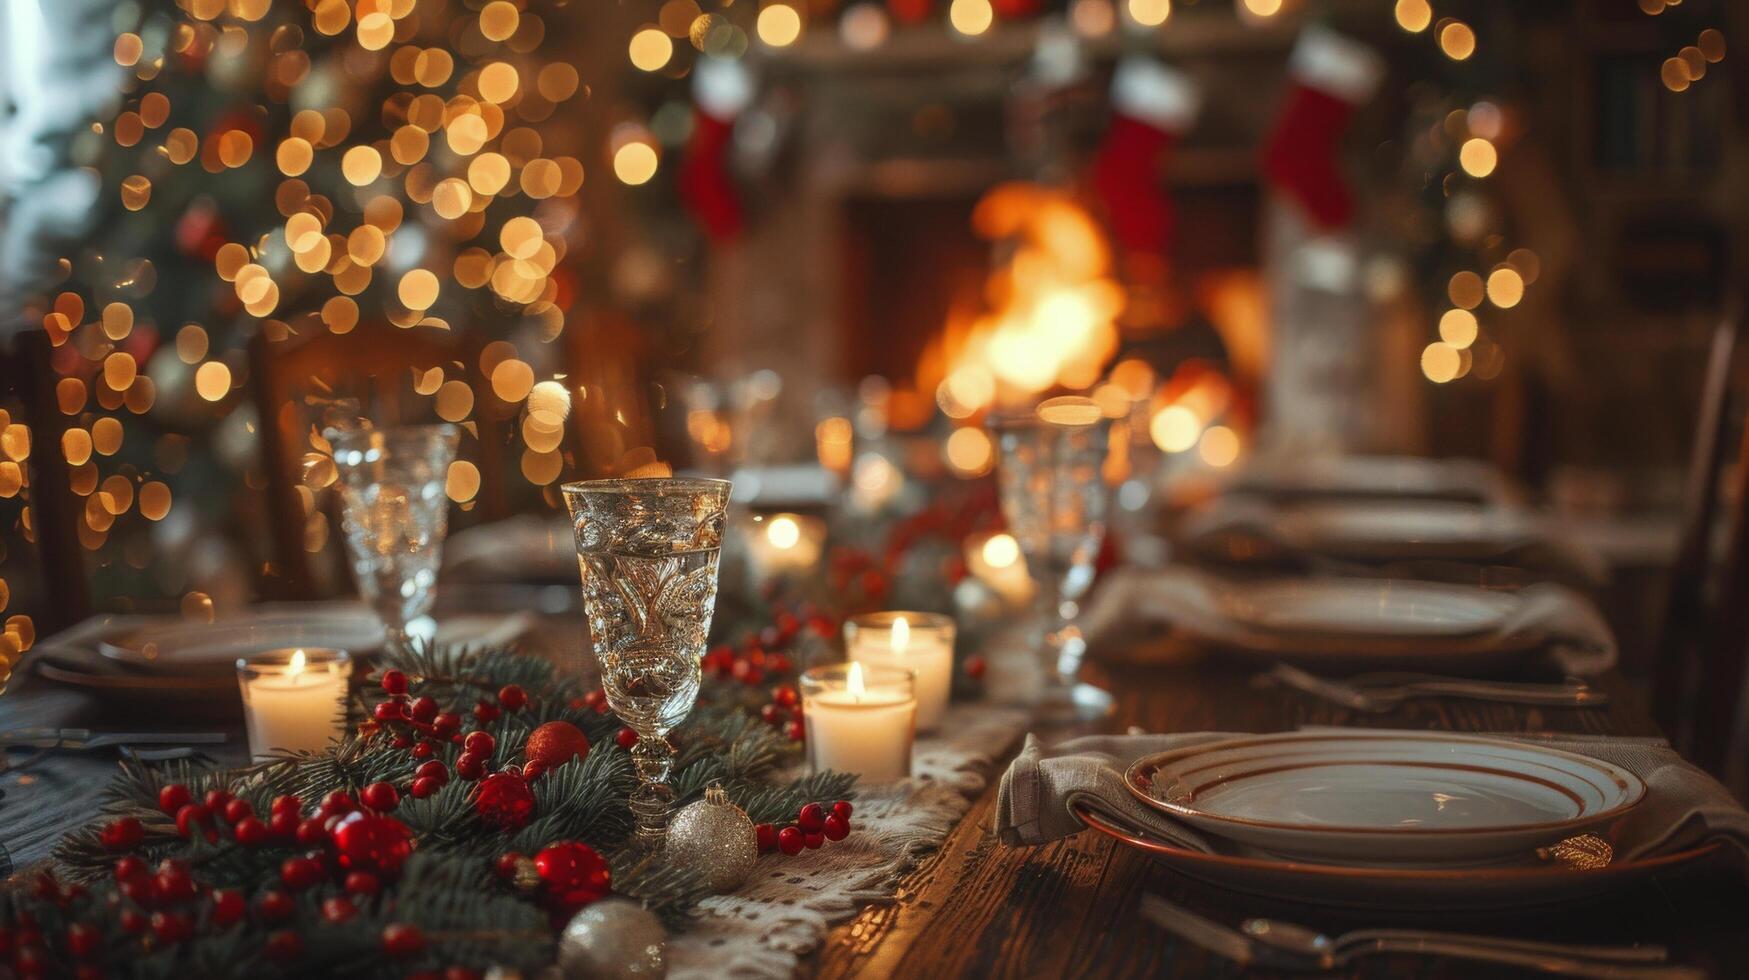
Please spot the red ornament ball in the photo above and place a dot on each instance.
(573, 875)
(552, 744)
(504, 801)
(372, 843)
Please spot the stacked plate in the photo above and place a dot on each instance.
(1433, 821)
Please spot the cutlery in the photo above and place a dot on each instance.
(1384, 691)
(1284, 946)
(81, 739)
(1289, 935)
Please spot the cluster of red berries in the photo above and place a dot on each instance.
(814, 826)
(768, 653)
(856, 573)
(785, 712)
(419, 724)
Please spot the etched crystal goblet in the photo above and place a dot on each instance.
(1055, 500)
(647, 550)
(395, 515)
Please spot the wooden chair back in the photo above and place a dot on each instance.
(26, 371)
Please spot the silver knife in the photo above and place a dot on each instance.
(84, 738)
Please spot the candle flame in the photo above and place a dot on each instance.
(901, 635)
(783, 532)
(296, 666)
(1001, 550)
(853, 681)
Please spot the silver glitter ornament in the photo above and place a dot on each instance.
(715, 838)
(613, 939)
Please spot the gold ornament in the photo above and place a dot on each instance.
(613, 939)
(714, 837)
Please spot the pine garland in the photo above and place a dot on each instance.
(450, 888)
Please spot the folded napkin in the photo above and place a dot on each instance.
(1553, 622)
(1036, 800)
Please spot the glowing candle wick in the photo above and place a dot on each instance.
(295, 670)
(901, 635)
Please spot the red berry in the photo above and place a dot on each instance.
(236, 810)
(338, 909)
(130, 868)
(767, 835)
(512, 697)
(771, 714)
(300, 873)
(505, 865)
(485, 711)
(400, 741)
(122, 834)
(446, 724)
(779, 664)
(842, 809)
(785, 695)
(534, 770)
(273, 905)
(284, 945)
(283, 823)
(387, 712)
(402, 939)
(380, 796)
(424, 708)
(975, 667)
(287, 802)
(172, 926)
(814, 840)
(626, 738)
(836, 828)
(424, 786)
(131, 920)
(339, 801)
(425, 749)
(173, 797)
(228, 906)
(434, 769)
(796, 730)
(789, 840)
(312, 832)
(470, 766)
(82, 939)
(596, 700)
(216, 800)
(460, 973)
(189, 819)
(480, 743)
(394, 682)
(251, 832)
(361, 883)
(812, 818)
(137, 890)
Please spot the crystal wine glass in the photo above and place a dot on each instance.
(1055, 500)
(647, 549)
(395, 514)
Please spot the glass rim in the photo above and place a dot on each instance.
(885, 619)
(641, 484)
(394, 432)
(273, 661)
(834, 677)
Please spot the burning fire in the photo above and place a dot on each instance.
(1051, 307)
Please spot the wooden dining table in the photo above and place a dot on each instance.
(977, 908)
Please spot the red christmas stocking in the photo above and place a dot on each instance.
(1152, 105)
(1329, 75)
(721, 89)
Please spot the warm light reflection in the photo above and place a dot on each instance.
(1414, 16)
(779, 25)
(1149, 13)
(971, 17)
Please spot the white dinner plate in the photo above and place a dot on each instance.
(1388, 799)
(1402, 530)
(1368, 607)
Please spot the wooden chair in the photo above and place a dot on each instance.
(1705, 639)
(373, 365)
(54, 511)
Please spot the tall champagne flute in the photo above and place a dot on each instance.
(395, 514)
(1055, 501)
(647, 549)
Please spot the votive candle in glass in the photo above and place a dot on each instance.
(787, 545)
(860, 719)
(916, 641)
(293, 699)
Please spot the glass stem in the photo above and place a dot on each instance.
(653, 757)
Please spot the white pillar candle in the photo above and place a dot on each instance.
(293, 699)
(864, 726)
(787, 544)
(916, 641)
(996, 561)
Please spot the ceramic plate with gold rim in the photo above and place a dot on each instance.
(1385, 798)
(1402, 530)
(1368, 607)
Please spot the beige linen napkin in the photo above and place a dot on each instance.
(1036, 800)
(1553, 624)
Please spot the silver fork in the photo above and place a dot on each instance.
(1382, 692)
